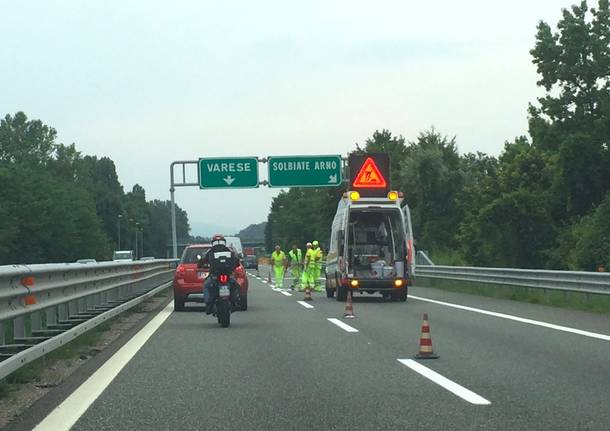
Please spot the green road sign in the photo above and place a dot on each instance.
(305, 171)
(228, 172)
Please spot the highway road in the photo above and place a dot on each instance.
(281, 366)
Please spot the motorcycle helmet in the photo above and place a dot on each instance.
(219, 239)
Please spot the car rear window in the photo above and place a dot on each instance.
(190, 254)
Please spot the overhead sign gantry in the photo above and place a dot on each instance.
(243, 172)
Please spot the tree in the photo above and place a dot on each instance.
(26, 141)
(511, 223)
(58, 206)
(431, 179)
(586, 245)
(573, 118)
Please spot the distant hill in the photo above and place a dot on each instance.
(255, 233)
(209, 229)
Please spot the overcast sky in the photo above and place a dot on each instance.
(146, 82)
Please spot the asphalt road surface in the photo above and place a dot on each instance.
(282, 366)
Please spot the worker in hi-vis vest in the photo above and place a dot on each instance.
(307, 280)
(278, 263)
(295, 260)
(317, 268)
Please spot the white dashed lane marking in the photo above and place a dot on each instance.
(444, 382)
(342, 325)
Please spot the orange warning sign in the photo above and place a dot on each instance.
(370, 176)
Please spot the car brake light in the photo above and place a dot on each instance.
(181, 268)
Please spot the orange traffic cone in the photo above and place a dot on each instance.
(425, 342)
(349, 307)
(308, 294)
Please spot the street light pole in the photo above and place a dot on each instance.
(136, 247)
(119, 232)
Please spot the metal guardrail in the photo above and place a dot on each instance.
(43, 307)
(421, 258)
(570, 281)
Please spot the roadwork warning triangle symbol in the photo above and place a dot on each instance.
(370, 176)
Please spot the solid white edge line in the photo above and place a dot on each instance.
(342, 325)
(286, 293)
(451, 386)
(517, 319)
(65, 415)
(305, 304)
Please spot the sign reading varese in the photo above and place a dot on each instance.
(236, 172)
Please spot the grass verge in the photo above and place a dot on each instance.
(554, 298)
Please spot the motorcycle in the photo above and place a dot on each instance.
(225, 290)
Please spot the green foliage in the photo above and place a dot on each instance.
(586, 245)
(431, 178)
(512, 225)
(58, 206)
(301, 215)
(573, 118)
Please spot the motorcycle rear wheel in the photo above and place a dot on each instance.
(223, 313)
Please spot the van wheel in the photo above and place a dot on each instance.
(400, 295)
(341, 293)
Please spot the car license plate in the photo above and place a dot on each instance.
(223, 291)
(202, 274)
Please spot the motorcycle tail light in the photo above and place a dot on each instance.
(223, 278)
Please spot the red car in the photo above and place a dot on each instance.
(188, 279)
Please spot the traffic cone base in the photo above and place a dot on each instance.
(308, 295)
(349, 307)
(425, 342)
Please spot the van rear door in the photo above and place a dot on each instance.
(410, 240)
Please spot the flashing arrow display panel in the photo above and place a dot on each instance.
(305, 171)
(225, 172)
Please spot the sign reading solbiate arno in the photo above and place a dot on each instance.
(304, 171)
(228, 172)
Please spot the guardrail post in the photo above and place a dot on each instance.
(2, 329)
(63, 312)
(19, 327)
(81, 305)
(51, 315)
(72, 308)
(35, 321)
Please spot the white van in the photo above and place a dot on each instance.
(235, 243)
(123, 256)
(371, 247)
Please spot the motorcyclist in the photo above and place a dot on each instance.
(221, 260)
